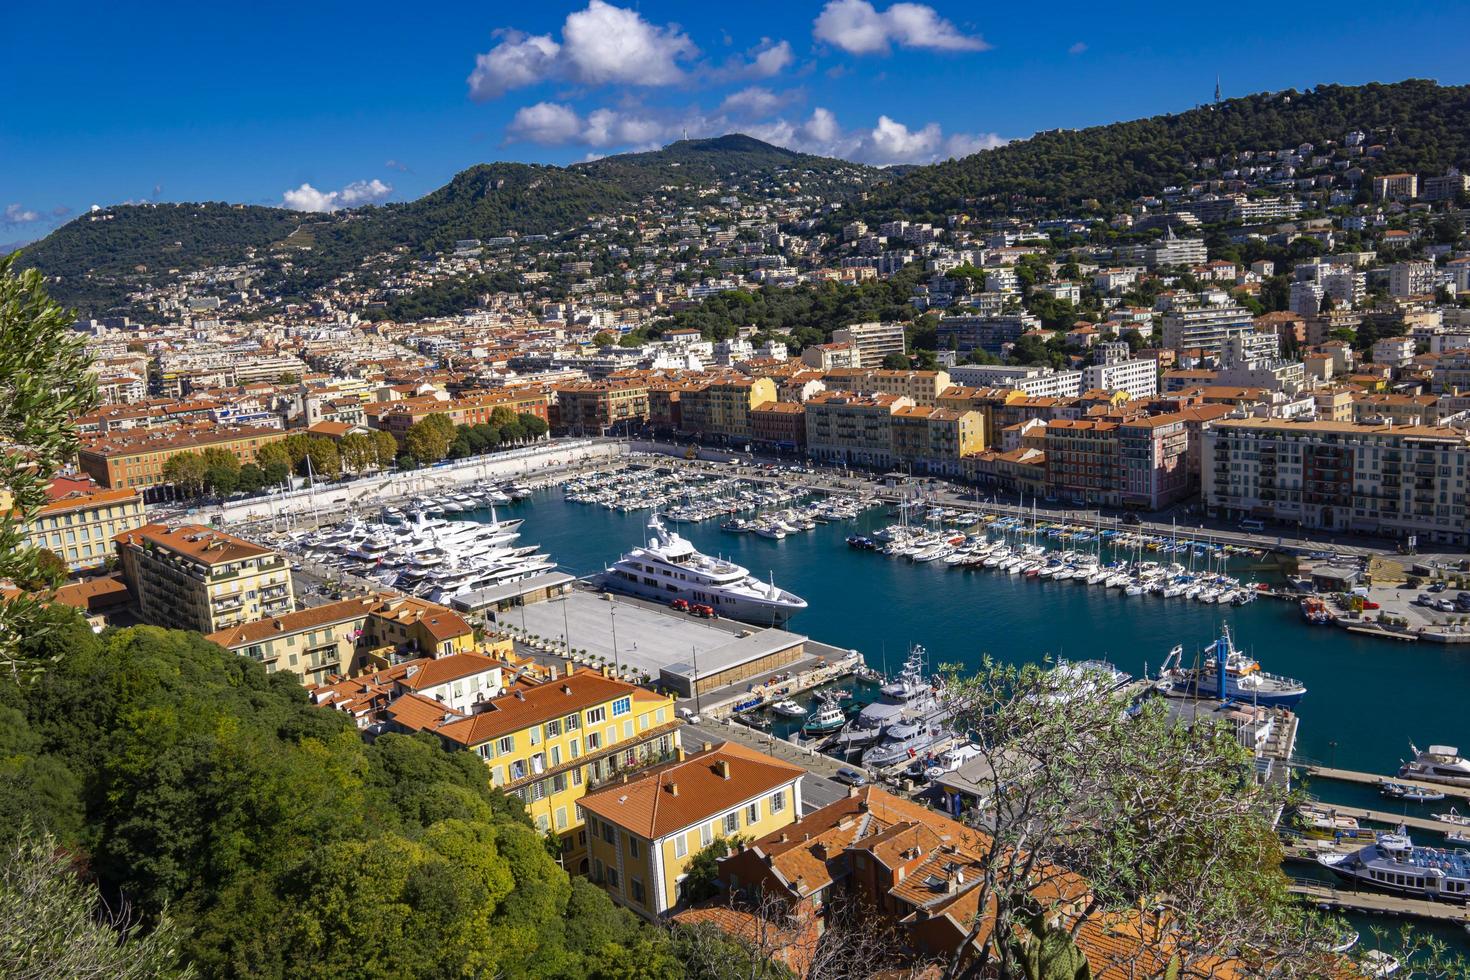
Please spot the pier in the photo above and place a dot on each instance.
(1375, 779)
(1331, 896)
(1391, 819)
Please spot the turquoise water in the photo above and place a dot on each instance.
(1366, 698)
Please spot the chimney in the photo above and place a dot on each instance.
(673, 789)
(784, 838)
(851, 791)
(706, 746)
(606, 671)
(566, 689)
(679, 753)
(570, 667)
(722, 769)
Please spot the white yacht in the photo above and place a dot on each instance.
(669, 567)
(1439, 764)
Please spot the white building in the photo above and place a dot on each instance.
(1206, 327)
(1411, 278)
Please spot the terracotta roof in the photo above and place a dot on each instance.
(659, 801)
(443, 670)
(205, 545)
(526, 706)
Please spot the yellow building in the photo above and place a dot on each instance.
(644, 832)
(351, 636)
(935, 439)
(79, 526)
(721, 408)
(197, 578)
(550, 743)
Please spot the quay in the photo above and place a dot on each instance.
(1391, 819)
(1329, 896)
(1374, 779)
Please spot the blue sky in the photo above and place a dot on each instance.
(323, 105)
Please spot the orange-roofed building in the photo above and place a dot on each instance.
(643, 832)
(198, 578)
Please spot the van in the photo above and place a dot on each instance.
(1252, 524)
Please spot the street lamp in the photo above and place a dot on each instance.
(612, 611)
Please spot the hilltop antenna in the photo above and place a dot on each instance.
(686, 134)
(1217, 86)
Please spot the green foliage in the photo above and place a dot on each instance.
(386, 446)
(1049, 953)
(703, 869)
(44, 384)
(53, 926)
(277, 839)
(428, 440)
(1420, 124)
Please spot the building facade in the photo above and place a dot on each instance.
(197, 578)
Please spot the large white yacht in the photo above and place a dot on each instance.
(669, 568)
(1438, 764)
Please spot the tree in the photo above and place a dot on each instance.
(55, 927)
(533, 425)
(45, 382)
(321, 458)
(274, 453)
(251, 479)
(1148, 819)
(427, 441)
(187, 472)
(49, 571)
(604, 338)
(358, 451)
(896, 362)
(386, 447)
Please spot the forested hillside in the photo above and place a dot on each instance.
(1423, 127)
(192, 784)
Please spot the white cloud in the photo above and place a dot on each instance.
(1077, 48)
(518, 60)
(753, 101)
(546, 123)
(771, 58)
(857, 27)
(888, 142)
(14, 214)
(359, 192)
(600, 45)
(606, 44)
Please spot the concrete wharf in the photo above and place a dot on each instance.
(1331, 896)
(1374, 779)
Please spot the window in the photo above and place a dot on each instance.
(594, 741)
(681, 845)
(612, 876)
(556, 755)
(609, 834)
(628, 728)
(559, 783)
(507, 745)
(561, 820)
(753, 812)
(621, 707)
(553, 729)
(574, 747)
(638, 891)
(732, 822)
(632, 846)
(573, 723)
(596, 715)
(535, 733)
(706, 834)
(542, 824)
(778, 801)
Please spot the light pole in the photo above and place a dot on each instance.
(612, 611)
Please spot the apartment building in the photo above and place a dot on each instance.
(80, 521)
(720, 409)
(987, 401)
(644, 832)
(935, 440)
(1140, 378)
(1396, 187)
(848, 428)
(1082, 461)
(592, 407)
(134, 458)
(1373, 478)
(197, 578)
(1400, 409)
(874, 341)
(780, 425)
(826, 357)
(398, 416)
(1411, 279)
(990, 333)
(1205, 327)
(550, 743)
(350, 636)
(920, 387)
(1140, 463)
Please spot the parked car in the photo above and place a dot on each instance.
(851, 777)
(1424, 599)
(1438, 586)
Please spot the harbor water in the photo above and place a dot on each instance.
(1366, 699)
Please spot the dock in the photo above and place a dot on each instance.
(1374, 779)
(1391, 819)
(1331, 896)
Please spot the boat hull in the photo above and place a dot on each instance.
(743, 608)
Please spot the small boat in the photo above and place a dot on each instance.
(828, 718)
(788, 709)
(1345, 942)
(1454, 817)
(1409, 794)
(1377, 963)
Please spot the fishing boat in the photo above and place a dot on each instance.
(826, 719)
(1229, 675)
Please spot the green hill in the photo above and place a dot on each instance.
(99, 258)
(1421, 124)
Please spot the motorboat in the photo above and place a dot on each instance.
(826, 719)
(788, 709)
(1437, 764)
(1409, 794)
(1393, 863)
(1453, 817)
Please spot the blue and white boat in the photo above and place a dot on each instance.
(1229, 675)
(1394, 864)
